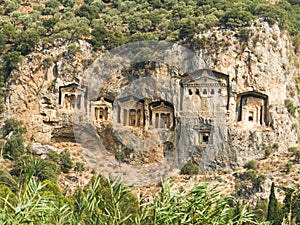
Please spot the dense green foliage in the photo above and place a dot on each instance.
(111, 23)
(29, 165)
(79, 167)
(14, 147)
(109, 202)
(26, 164)
(15, 126)
(249, 181)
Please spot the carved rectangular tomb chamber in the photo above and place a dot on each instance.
(253, 108)
(130, 111)
(71, 96)
(204, 94)
(162, 114)
(204, 138)
(101, 110)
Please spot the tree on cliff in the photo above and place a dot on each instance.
(273, 208)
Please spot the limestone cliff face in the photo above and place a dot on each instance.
(34, 88)
(260, 76)
(265, 63)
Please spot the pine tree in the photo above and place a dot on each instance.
(273, 208)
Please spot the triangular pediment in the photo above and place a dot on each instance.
(70, 88)
(101, 102)
(130, 102)
(73, 88)
(162, 107)
(203, 78)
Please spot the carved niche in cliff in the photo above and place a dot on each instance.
(204, 133)
(204, 94)
(135, 112)
(130, 111)
(71, 97)
(101, 110)
(162, 114)
(253, 108)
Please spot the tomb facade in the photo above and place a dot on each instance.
(162, 114)
(135, 112)
(71, 97)
(130, 111)
(253, 108)
(204, 95)
(101, 110)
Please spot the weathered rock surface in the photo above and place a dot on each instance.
(265, 62)
(262, 66)
(34, 89)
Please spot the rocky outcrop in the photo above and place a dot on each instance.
(258, 58)
(254, 72)
(34, 88)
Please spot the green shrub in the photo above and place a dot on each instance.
(295, 152)
(54, 156)
(288, 166)
(13, 125)
(251, 165)
(87, 11)
(297, 155)
(290, 107)
(68, 3)
(127, 151)
(65, 160)
(259, 181)
(25, 41)
(293, 149)
(28, 150)
(52, 189)
(261, 209)
(268, 151)
(47, 170)
(73, 49)
(244, 34)
(119, 156)
(52, 3)
(79, 167)
(27, 166)
(250, 174)
(190, 169)
(7, 179)
(14, 147)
